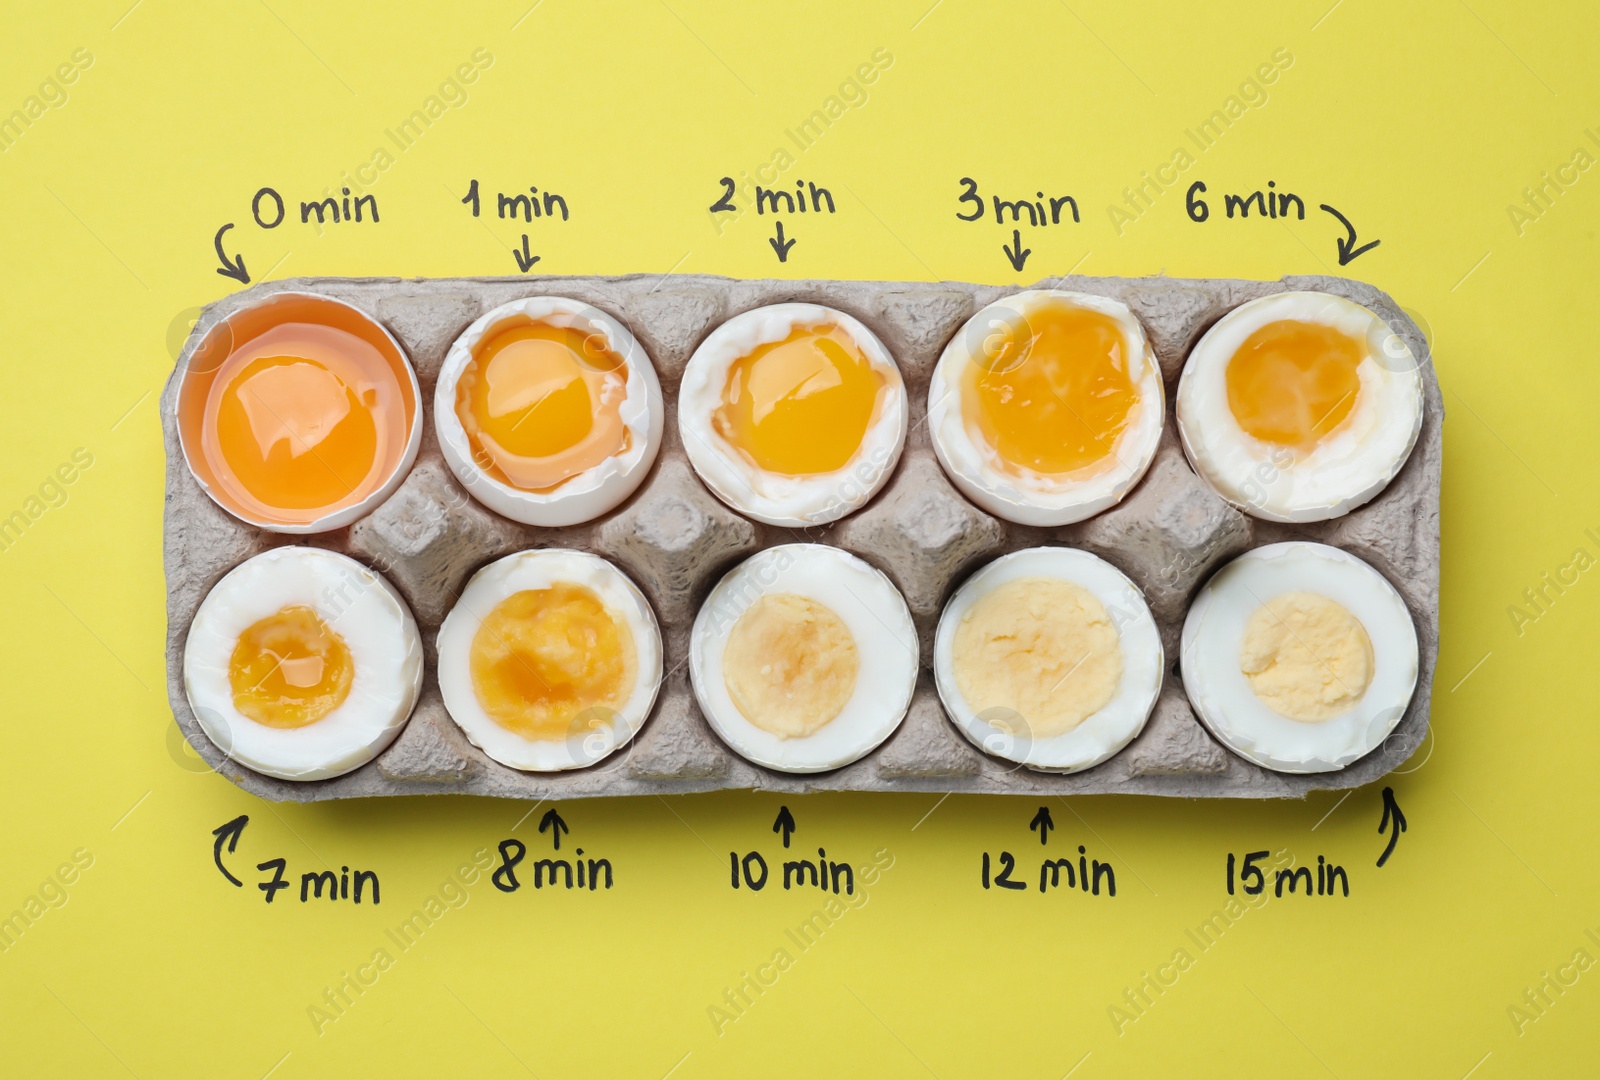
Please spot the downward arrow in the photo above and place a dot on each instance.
(525, 260)
(552, 823)
(781, 246)
(230, 833)
(231, 269)
(785, 822)
(1348, 252)
(1019, 254)
(1042, 822)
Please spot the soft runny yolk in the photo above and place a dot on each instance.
(542, 403)
(1291, 383)
(1054, 396)
(802, 405)
(290, 669)
(547, 662)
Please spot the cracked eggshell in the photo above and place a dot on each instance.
(1024, 496)
(593, 492)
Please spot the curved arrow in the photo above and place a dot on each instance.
(552, 823)
(229, 268)
(1391, 812)
(784, 824)
(1348, 252)
(1043, 823)
(231, 833)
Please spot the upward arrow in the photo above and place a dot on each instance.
(1042, 822)
(552, 823)
(784, 824)
(1391, 812)
(230, 833)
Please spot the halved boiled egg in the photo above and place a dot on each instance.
(1299, 657)
(1300, 406)
(302, 664)
(803, 658)
(1046, 408)
(548, 411)
(550, 660)
(1048, 657)
(793, 414)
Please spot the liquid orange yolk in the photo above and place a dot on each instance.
(552, 663)
(1056, 397)
(290, 669)
(542, 404)
(1291, 383)
(802, 405)
(304, 419)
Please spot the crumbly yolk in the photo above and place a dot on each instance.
(1052, 397)
(304, 419)
(290, 669)
(802, 405)
(790, 664)
(1306, 657)
(542, 403)
(1291, 382)
(1037, 656)
(546, 661)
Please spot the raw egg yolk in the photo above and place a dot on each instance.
(1291, 383)
(802, 405)
(542, 404)
(552, 663)
(1306, 657)
(1054, 396)
(790, 664)
(306, 418)
(1037, 656)
(290, 669)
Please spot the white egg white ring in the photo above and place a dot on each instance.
(1101, 734)
(787, 501)
(877, 618)
(593, 492)
(593, 737)
(1220, 692)
(1024, 496)
(361, 607)
(1354, 461)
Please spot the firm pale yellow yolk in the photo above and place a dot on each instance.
(1037, 656)
(1055, 397)
(1306, 657)
(542, 404)
(546, 661)
(802, 405)
(290, 669)
(790, 664)
(1291, 383)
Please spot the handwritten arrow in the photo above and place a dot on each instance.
(525, 259)
(780, 245)
(1348, 252)
(1391, 810)
(1015, 251)
(784, 824)
(231, 833)
(229, 268)
(552, 823)
(1043, 823)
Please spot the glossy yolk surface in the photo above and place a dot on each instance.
(304, 419)
(1053, 395)
(1291, 383)
(542, 404)
(1306, 656)
(802, 405)
(790, 664)
(290, 669)
(550, 663)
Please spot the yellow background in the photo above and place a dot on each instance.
(1422, 125)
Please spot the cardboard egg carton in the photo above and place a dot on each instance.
(675, 539)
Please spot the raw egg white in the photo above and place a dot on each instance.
(1046, 408)
(1299, 657)
(1048, 657)
(803, 658)
(302, 664)
(550, 660)
(793, 414)
(548, 411)
(1300, 406)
